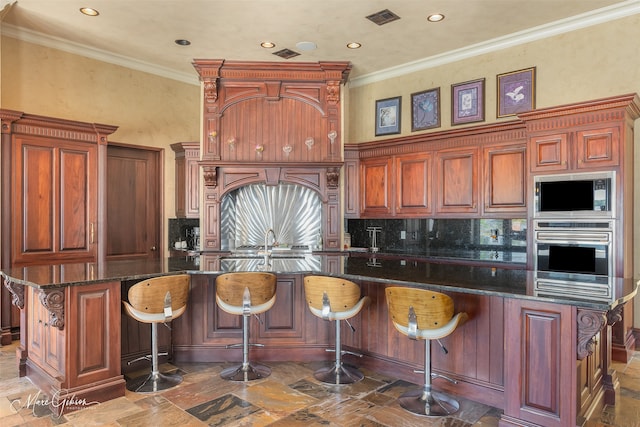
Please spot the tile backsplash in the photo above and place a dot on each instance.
(486, 239)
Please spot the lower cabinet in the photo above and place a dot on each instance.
(73, 342)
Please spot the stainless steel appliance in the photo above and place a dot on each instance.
(579, 195)
(574, 257)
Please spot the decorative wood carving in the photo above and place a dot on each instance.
(615, 315)
(333, 178)
(17, 293)
(210, 174)
(53, 301)
(590, 322)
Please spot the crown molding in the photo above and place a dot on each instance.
(606, 14)
(41, 39)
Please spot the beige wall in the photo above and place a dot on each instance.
(149, 110)
(591, 63)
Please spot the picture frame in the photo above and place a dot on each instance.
(388, 116)
(467, 102)
(425, 109)
(516, 92)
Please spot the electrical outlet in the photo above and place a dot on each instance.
(403, 235)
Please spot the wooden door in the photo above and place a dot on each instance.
(458, 187)
(134, 212)
(375, 187)
(55, 205)
(505, 179)
(413, 184)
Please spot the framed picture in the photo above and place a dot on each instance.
(467, 102)
(516, 92)
(425, 109)
(388, 116)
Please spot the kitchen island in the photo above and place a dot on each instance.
(541, 356)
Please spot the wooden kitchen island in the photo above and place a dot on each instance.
(542, 359)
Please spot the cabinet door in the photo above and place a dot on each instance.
(351, 187)
(413, 185)
(505, 179)
(55, 201)
(597, 148)
(549, 152)
(187, 172)
(375, 187)
(457, 181)
(285, 320)
(46, 342)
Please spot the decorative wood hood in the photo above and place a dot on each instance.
(271, 122)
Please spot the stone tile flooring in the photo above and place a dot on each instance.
(289, 397)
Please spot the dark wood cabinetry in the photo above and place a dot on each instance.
(505, 179)
(457, 181)
(376, 187)
(187, 179)
(414, 189)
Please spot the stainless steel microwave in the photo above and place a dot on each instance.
(578, 195)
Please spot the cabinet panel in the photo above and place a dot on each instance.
(457, 181)
(549, 152)
(597, 147)
(413, 184)
(187, 170)
(505, 179)
(375, 186)
(55, 207)
(46, 342)
(351, 188)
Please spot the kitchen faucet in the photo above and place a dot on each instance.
(266, 253)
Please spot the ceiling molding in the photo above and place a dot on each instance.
(617, 11)
(64, 45)
(606, 14)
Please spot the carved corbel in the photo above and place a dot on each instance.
(333, 178)
(17, 293)
(210, 174)
(590, 322)
(615, 315)
(53, 301)
(333, 92)
(210, 90)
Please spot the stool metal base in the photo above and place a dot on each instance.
(250, 373)
(153, 382)
(338, 374)
(430, 404)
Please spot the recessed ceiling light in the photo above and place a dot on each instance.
(268, 45)
(305, 46)
(89, 11)
(354, 45)
(436, 17)
(183, 42)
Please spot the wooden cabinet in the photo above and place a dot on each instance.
(351, 175)
(505, 179)
(52, 209)
(376, 187)
(413, 184)
(576, 150)
(56, 209)
(457, 181)
(187, 183)
(590, 376)
(44, 340)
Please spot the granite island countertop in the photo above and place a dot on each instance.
(440, 276)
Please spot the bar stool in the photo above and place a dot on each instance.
(245, 294)
(332, 298)
(156, 300)
(425, 315)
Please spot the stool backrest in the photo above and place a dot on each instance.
(433, 309)
(230, 287)
(342, 293)
(149, 295)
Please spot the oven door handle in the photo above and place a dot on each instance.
(554, 237)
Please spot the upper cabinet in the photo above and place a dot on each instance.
(51, 209)
(187, 182)
(462, 173)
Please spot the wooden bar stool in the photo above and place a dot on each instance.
(425, 315)
(335, 299)
(156, 300)
(245, 294)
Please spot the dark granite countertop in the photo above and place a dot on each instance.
(443, 276)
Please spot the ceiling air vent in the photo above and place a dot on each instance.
(286, 53)
(383, 17)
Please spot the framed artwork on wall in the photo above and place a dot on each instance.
(467, 102)
(388, 116)
(516, 92)
(425, 109)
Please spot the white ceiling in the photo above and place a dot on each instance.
(140, 34)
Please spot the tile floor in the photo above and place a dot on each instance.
(289, 397)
